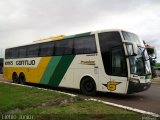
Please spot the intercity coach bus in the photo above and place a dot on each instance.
(107, 60)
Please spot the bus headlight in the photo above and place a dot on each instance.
(136, 81)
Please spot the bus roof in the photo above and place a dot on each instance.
(62, 37)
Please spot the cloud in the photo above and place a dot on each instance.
(23, 21)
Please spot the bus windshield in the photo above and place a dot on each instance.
(140, 64)
(132, 37)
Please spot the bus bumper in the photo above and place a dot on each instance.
(137, 87)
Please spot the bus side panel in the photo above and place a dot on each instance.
(56, 69)
(8, 71)
(50, 69)
(35, 74)
(82, 65)
(67, 80)
(60, 70)
(6, 74)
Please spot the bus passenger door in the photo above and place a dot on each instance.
(118, 80)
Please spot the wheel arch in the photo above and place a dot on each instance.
(15, 77)
(14, 73)
(87, 76)
(22, 74)
(22, 78)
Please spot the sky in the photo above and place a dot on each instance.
(23, 21)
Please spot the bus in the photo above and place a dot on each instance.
(1, 65)
(107, 60)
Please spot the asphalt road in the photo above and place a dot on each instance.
(147, 100)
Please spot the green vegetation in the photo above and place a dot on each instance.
(157, 65)
(47, 105)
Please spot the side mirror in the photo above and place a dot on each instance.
(152, 52)
(135, 49)
(131, 48)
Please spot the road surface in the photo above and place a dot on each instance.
(147, 100)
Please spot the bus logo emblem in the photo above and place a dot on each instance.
(111, 86)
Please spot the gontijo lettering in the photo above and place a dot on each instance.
(25, 62)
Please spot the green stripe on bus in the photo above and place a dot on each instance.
(77, 35)
(60, 70)
(50, 69)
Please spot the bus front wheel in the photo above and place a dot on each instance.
(88, 86)
(22, 79)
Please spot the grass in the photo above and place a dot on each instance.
(47, 105)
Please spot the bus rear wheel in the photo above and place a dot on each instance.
(88, 86)
(22, 79)
(15, 77)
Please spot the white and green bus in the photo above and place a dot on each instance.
(107, 60)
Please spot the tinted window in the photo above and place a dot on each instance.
(46, 49)
(14, 52)
(118, 62)
(32, 50)
(7, 53)
(107, 41)
(64, 47)
(85, 45)
(22, 52)
(1, 62)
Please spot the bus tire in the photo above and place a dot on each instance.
(22, 79)
(15, 77)
(88, 86)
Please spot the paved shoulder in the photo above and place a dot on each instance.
(156, 80)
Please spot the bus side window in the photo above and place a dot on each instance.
(33, 50)
(22, 52)
(7, 53)
(64, 47)
(46, 49)
(69, 47)
(14, 53)
(107, 41)
(118, 62)
(85, 45)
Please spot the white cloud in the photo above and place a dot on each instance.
(23, 21)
